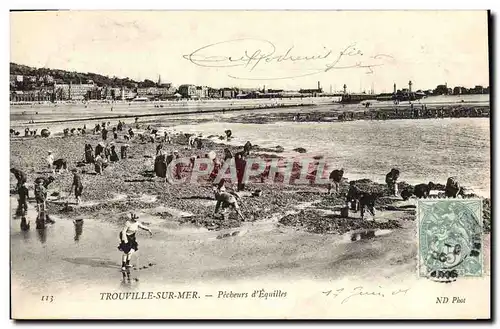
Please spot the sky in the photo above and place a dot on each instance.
(273, 49)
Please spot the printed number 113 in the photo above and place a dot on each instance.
(49, 299)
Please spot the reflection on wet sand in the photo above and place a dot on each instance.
(42, 235)
(26, 235)
(25, 225)
(78, 229)
(367, 234)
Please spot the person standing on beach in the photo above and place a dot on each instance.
(453, 188)
(107, 152)
(240, 164)
(89, 153)
(124, 150)
(20, 176)
(159, 148)
(199, 143)
(160, 166)
(98, 164)
(247, 148)
(22, 206)
(168, 138)
(216, 167)
(40, 194)
(391, 180)
(104, 133)
(113, 156)
(128, 243)
(77, 185)
(50, 162)
(191, 141)
(227, 154)
(178, 167)
(99, 149)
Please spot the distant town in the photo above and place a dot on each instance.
(28, 84)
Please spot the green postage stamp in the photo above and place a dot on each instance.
(450, 241)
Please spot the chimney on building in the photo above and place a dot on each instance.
(345, 89)
(395, 90)
(319, 86)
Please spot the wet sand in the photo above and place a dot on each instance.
(185, 253)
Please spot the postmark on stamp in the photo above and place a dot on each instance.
(450, 241)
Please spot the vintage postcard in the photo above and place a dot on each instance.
(250, 165)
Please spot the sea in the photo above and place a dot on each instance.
(423, 150)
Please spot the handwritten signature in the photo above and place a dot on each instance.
(251, 54)
(346, 294)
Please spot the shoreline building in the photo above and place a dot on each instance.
(312, 92)
(202, 91)
(187, 90)
(153, 93)
(72, 91)
(228, 92)
(39, 95)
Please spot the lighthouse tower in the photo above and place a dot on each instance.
(345, 89)
(409, 86)
(395, 90)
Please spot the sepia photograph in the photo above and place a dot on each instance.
(250, 164)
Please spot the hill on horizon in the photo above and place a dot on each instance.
(63, 76)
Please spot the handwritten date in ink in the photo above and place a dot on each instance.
(346, 295)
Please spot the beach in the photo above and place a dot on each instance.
(290, 228)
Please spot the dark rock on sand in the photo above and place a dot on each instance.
(300, 150)
(315, 222)
(277, 149)
(45, 133)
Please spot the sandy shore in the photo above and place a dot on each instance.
(131, 184)
(292, 228)
(244, 111)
